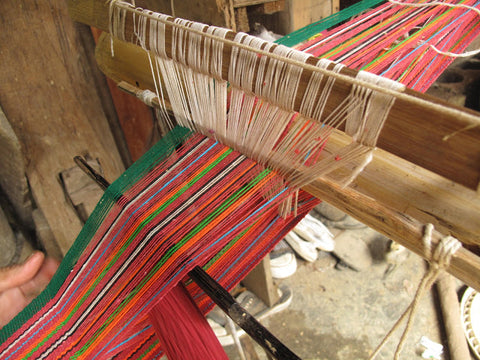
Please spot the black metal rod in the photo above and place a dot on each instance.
(87, 169)
(240, 316)
(218, 294)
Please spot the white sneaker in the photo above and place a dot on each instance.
(314, 231)
(282, 261)
(304, 249)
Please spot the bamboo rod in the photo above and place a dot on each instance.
(394, 223)
(403, 229)
(445, 139)
(394, 182)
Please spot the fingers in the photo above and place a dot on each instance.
(35, 286)
(12, 302)
(17, 275)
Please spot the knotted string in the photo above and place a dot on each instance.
(439, 259)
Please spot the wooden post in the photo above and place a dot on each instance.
(48, 95)
(260, 282)
(457, 344)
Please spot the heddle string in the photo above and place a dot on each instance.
(251, 109)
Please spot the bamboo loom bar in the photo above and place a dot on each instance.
(394, 223)
(392, 181)
(405, 229)
(450, 147)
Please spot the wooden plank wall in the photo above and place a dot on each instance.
(48, 94)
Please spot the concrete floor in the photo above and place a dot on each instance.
(338, 313)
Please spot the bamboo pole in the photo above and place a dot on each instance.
(399, 227)
(421, 129)
(394, 182)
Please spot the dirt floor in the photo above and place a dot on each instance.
(338, 313)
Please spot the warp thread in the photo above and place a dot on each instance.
(398, 39)
(440, 3)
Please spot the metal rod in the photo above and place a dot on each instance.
(87, 169)
(240, 316)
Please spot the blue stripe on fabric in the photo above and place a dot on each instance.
(190, 261)
(109, 244)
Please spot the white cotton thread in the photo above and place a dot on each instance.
(456, 55)
(366, 123)
(147, 96)
(252, 127)
(435, 3)
(461, 115)
(440, 3)
(367, 113)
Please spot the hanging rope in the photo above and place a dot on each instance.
(439, 259)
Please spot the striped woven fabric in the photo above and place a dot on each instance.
(201, 204)
(393, 40)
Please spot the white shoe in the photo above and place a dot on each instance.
(282, 261)
(305, 249)
(314, 231)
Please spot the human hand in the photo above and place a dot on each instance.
(20, 284)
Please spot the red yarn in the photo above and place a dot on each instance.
(183, 331)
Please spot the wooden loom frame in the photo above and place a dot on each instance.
(394, 195)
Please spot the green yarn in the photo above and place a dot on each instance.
(308, 31)
(160, 151)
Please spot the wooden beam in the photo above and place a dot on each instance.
(271, 7)
(421, 129)
(242, 3)
(394, 182)
(397, 199)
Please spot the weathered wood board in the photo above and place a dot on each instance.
(48, 95)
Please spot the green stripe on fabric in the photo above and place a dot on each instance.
(128, 242)
(400, 45)
(308, 31)
(148, 350)
(226, 248)
(160, 151)
(168, 254)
